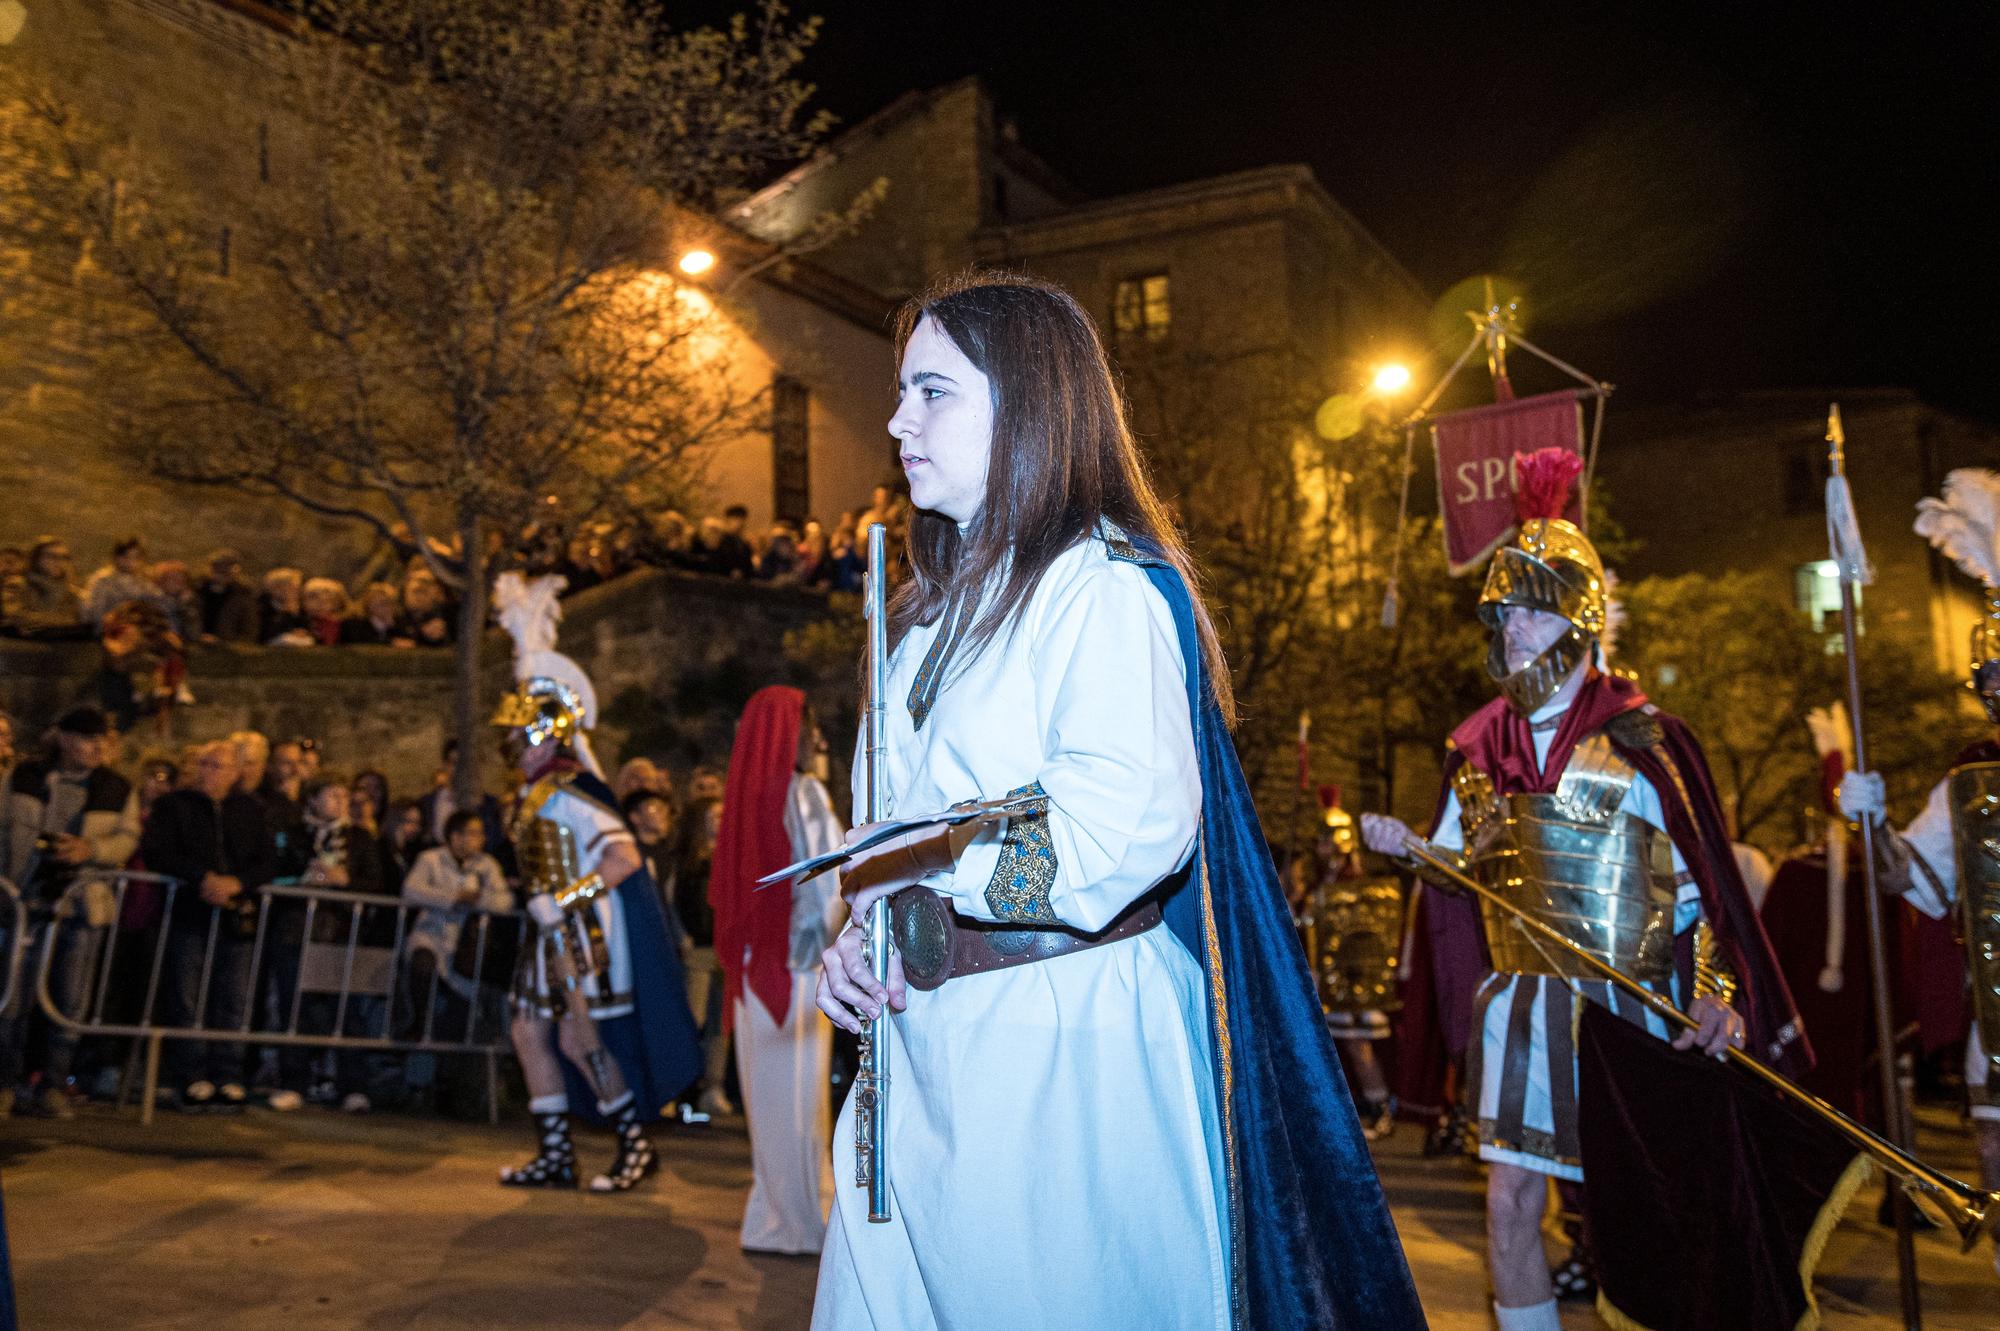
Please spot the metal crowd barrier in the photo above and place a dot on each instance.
(17, 943)
(347, 960)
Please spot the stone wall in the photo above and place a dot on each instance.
(674, 657)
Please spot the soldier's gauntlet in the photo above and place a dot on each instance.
(1713, 976)
(580, 893)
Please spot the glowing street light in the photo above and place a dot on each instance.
(1392, 379)
(13, 14)
(696, 262)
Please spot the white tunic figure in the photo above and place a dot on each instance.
(784, 1069)
(1048, 1115)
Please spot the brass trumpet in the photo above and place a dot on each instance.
(1968, 1210)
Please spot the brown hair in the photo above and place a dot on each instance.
(1063, 458)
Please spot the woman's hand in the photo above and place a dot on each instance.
(849, 993)
(892, 866)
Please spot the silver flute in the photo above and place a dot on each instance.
(871, 1081)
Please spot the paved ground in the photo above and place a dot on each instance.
(313, 1222)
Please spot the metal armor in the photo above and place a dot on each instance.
(547, 852)
(1355, 939)
(1604, 878)
(1974, 792)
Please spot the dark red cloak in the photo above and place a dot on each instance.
(1500, 742)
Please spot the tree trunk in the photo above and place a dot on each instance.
(469, 718)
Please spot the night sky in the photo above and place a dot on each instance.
(1697, 199)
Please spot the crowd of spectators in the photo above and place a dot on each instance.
(399, 599)
(145, 613)
(414, 902)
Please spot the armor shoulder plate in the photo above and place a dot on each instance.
(1636, 729)
(1595, 782)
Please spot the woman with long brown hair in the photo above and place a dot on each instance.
(1113, 1102)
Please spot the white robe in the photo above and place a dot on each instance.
(783, 1069)
(1930, 837)
(1055, 1156)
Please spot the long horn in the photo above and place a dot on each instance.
(1968, 1210)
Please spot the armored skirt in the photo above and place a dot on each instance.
(590, 943)
(1055, 1154)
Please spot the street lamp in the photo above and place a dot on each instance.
(13, 14)
(694, 263)
(1392, 379)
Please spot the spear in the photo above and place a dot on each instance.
(1850, 560)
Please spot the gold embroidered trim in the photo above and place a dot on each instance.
(1218, 991)
(1022, 880)
(924, 689)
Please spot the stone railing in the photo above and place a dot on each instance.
(673, 657)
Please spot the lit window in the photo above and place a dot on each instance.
(1143, 307)
(1817, 589)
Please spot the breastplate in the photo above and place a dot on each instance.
(547, 854)
(1357, 943)
(1602, 878)
(1974, 792)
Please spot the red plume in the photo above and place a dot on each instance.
(1547, 476)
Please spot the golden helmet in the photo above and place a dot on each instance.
(543, 708)
(1985, 677)
(1341, 828)
(1551, 566)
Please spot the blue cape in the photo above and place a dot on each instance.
(1312, 1242)
(657, 1047)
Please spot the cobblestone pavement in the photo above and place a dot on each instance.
(312, 1222)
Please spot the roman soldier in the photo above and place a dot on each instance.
(1575, 797)
(1949, 857)
(599, 1005)
(1351, 922)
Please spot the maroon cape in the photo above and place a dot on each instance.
(1842, 1024)
(1449, 952)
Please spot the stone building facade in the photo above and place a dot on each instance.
(1245, 262)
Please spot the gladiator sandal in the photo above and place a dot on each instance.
(636, 1157)
(1451, 1135)
(555, 1167)
(1575, 1278)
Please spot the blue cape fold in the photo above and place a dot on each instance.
(657, 1047)
(1312, 1245)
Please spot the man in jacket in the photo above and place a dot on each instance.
(213, 839)
(71, 820)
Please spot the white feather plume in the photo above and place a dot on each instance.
(529, 611)
(1964, 522)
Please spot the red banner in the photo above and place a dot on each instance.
(1475, 464)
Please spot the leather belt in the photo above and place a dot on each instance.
(939, 944)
